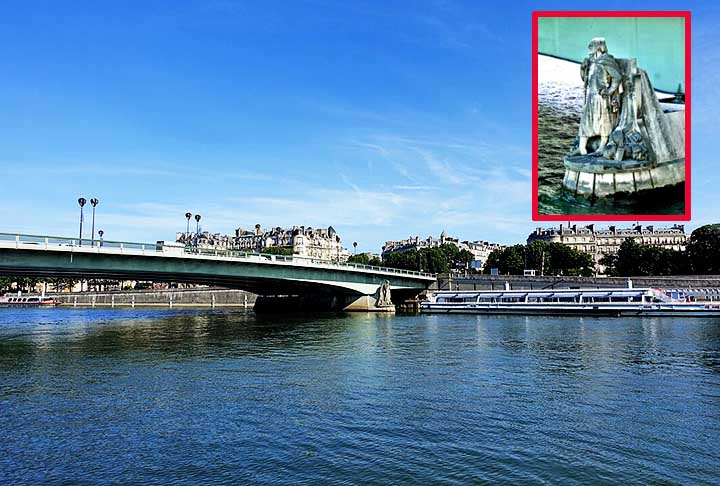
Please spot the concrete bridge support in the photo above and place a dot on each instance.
(383, 300)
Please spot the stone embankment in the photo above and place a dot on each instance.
(205, 297)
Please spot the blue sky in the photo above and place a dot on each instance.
(384, 119)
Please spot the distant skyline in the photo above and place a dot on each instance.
(383, 119)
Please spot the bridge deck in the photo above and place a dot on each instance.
(46, 255)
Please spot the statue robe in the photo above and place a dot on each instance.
(598, 117)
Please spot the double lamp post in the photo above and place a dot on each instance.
(93, 202)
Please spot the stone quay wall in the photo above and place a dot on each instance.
(205, 297)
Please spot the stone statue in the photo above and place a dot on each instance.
(382, 295)
(602, 79)
(627, 141)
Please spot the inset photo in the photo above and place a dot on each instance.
(611, 116)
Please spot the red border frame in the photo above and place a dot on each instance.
(609, 217)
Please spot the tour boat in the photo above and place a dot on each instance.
(28, 301)
(617, 302)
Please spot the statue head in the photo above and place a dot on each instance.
(597, 46)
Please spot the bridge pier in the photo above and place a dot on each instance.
(366, 303)
(320, 303)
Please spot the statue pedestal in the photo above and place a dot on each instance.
(366, 303)
(590, 176)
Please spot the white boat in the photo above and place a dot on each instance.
(617, 302)
(17, 300)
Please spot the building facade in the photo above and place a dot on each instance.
(479, 249)
(598, 242)
(304, 241)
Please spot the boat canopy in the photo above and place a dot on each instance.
(595, 294)
(627, 294)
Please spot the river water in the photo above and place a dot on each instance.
(161, 396)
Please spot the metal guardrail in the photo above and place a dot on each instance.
(113, 247)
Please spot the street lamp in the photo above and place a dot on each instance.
(101, 233)
(94, 202)
(187, 231)
(355, 246)
(81, 202)
(197, 229)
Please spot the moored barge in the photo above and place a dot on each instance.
(618, 302)
(28, 301)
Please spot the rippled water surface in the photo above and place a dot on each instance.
(559, 109)
(149, 396)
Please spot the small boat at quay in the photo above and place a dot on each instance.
(617, 302)
(17, 300)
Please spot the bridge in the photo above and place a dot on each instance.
(279, 280)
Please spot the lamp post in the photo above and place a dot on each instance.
(100, 234)
(81, 202)
(355, 246)
(94, 202)
(188, 215)
(197, 229)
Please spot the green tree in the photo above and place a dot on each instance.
(536, 255)
(277, 250)
(365, 259)
(406, 260)
(634, 259)
(565, 260)
(435, 260)
(703, 250)
(6, 283)
(360, 258)
(508, 261)
(609, 262)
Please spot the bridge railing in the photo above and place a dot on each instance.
(109, 246)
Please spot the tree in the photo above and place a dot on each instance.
(277, 250)
(6, 283)
(508, 261)
(536, 256)
(361, 258)
(634, 259)
(703, 250)
(365, 259)
(435, 260)
(609, 261)
(406, 260)
(565, 260)
(545, 258)
(438, 259)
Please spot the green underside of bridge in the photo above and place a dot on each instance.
(263, 279)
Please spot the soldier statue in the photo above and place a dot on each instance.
(602, 77)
